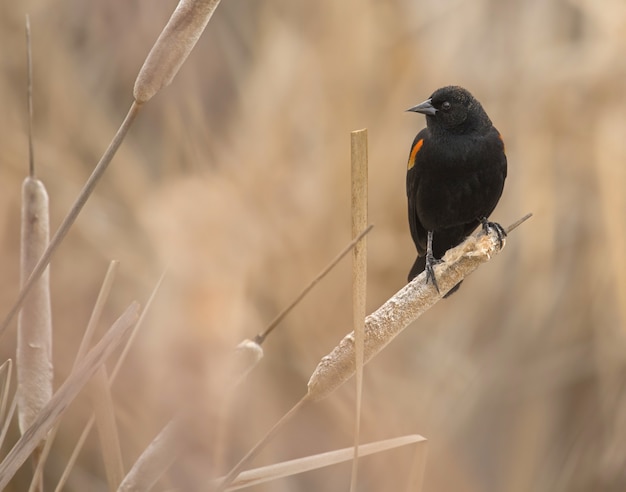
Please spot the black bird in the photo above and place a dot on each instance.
(455, 176)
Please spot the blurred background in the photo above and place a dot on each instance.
(236, 178)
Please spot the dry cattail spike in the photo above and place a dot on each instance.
(382, 326)
(155, 460)
(34, 339)
(173, 46)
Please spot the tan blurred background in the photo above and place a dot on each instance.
(237, 177)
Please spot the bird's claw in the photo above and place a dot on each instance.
(500, 232)
(430, 272)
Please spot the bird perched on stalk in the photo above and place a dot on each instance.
(455, 176)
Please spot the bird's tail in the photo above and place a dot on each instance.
(418, 267)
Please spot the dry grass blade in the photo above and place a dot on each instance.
(75, 452)
(66, 393)
(6, 370)
(223, 483)
(288, 468)
(173, 46)
(358, 146)
(153, 462)
(83, 437)
(400, 310)
(104, 409)
(7, 422)
(96, 312)
(105, 289)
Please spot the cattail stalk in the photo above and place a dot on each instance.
(358, 146)
(404, 307)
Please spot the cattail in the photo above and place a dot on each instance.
(156, 458)
(408, 304)
(34, 338)
(173, 46)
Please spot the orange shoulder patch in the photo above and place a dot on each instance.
(416, 148)
(502, 140)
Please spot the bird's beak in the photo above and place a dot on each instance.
(425, 108)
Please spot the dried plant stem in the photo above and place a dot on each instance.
(96, 312)
(232, 474)
(292, 467)
(29, 97)
(76, 208)
(173, 46)
(105, 289)
(34, 334)
(7, 422)
(408, 304)
(104, 409)
(120, 361)
(6, 370)
(46, 419)
(34, 340)
(260, 338)
(358, 146)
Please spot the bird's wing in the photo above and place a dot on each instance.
(418, 233)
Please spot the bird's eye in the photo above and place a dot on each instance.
(445, 105)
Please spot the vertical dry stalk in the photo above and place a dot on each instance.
(34, 339)
(173, 46)
(358, 146)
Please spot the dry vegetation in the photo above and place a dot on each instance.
(236, 177)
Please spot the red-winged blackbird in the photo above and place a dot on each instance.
(455, 176)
